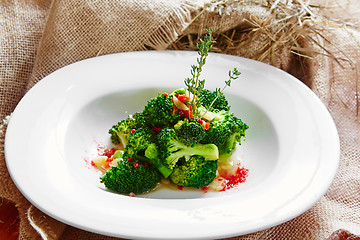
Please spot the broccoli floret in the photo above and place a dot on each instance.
(238, 130)
(219, 129)
(196, 172)
(189, 132)
(120, 132)
(225, 132)
(159, 112)
(138, 142)
(136, 120)
(206, 97)
(131, 177)
(142, 146)
(171, 149)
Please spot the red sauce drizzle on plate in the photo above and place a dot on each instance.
(233, 180)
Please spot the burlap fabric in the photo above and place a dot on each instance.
(40, 36)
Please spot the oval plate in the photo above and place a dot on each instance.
(291, 148)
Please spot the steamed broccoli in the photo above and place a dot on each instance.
(159, 112)
(120, 132)
(142, 146)
(225, 132)
(131, 177)
(219, 130)
(216, 99)
(138, 142)
(136, 121)
(238, 129)
(171, 149)
(196, 172)
(182, 135)
(189, 132)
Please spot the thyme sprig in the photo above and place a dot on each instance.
(233, 75)
(194, 84)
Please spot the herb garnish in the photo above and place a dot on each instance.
(194, 84)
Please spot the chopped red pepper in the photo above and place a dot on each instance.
(184, 113)
(206, 125)
(165, 94)
(174, 109)
(180, 187)
(108, 152)
(92, 163)
(183, 98)
(204, 189)
(129, 159)
(136, 164)
(191, 112)
(107, 164)
(200, 121)
(156, 129)
(133, 130)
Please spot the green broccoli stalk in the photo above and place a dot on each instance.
(171, 149)
(131, 177)
(196, 172)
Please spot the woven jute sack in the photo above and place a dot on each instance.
(296, 36)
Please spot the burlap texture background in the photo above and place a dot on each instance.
(40, 36)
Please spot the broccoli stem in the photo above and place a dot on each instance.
(208, 151)
(165, 171)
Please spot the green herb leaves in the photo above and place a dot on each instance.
(194, 84)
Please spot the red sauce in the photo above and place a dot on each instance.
(239, 177)
(101, 151)
(230, 182)
(104, 151)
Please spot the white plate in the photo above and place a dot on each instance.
(291, 148)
